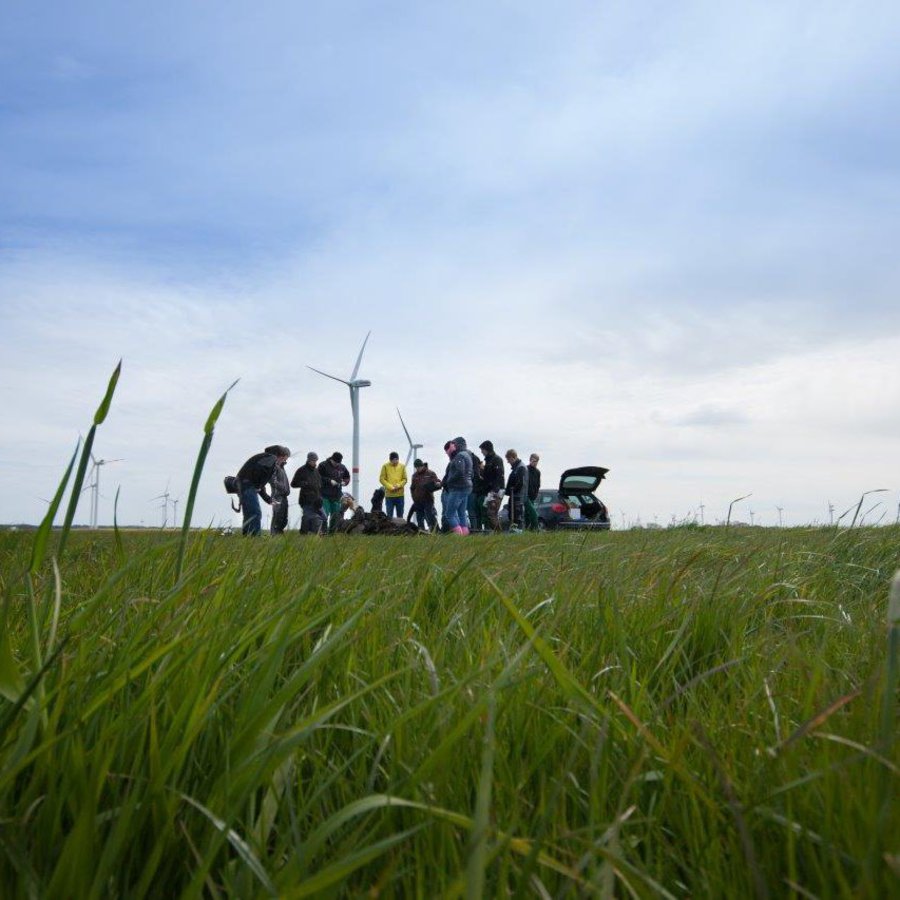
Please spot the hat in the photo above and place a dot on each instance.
(312, 456)
(417, 463)
(337, 457)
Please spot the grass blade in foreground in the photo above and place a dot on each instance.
(206, 443)
(99, 419)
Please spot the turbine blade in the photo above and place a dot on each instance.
(408, 455)
(334, 377)
(359, 358)
(405, 429)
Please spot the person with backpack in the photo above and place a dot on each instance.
(516, 489)
(252, 478)
(309, 482)
(335, 477)
(457, 482)
(493, 478)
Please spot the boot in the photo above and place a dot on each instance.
(457, 529)
(463, 529)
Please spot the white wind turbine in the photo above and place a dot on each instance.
(413, 448)
(164, 506)
(354, 384)
(94, 485)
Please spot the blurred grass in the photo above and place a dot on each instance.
(695, 712)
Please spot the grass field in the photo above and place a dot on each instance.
(692, 712)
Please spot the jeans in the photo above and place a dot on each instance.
(393, 506)
(455, 503)
(313, 521)
(279, 515)
(252, 512)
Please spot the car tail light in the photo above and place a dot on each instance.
(559, 507)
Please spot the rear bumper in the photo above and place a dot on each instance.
(583, 525)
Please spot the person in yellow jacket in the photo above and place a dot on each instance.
(393, 480)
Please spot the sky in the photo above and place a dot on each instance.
(655, 237)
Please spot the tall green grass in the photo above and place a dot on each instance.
(699, 713)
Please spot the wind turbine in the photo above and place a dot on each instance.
(94, 485)
(412, 454)
(164, 506)
(354, 384)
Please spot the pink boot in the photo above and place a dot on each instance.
(463, 529)
(457, 529)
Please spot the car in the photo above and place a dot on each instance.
(574, 507)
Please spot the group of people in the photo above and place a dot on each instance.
(472, 490)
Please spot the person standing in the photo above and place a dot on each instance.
(281, 489)
(493, 478)
(393, 480)
(516, 488)
(423, 485)
(534, 485)
(253, 476)
(309, 482)
(475, 503)
(457, 485)
(335, 477)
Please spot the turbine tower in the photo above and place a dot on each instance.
(354, 384)
(412, 454)
(164, 506)
(94, 485)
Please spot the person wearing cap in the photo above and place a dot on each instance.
(281, 488)
(253, 476)
(309, 482)
(335, 477)
(492, 481)
(423, 485)
(393, 479)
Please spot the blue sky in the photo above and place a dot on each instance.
(656, 237)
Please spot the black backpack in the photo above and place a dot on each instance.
(233, 486)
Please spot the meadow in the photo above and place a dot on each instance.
(697, 712)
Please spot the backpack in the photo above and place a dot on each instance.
(233, 486)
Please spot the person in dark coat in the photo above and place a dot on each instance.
(534, 485)
(309, 482)
(281, 489)
(335, 477)
(516, 488)
(457, 485)
(493, 479)
(253, 476)
(475, 503)
(423, 486)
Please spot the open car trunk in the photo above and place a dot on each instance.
(576, 488)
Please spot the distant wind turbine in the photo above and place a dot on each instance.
(164, 506)
(413, 448)
(94, 484)
(354, 384)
